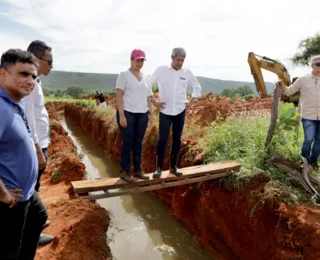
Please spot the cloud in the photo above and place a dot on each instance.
(98, 35)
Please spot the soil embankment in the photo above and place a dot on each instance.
(230, 223)
(79, 226)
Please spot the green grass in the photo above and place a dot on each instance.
(88, 103)
(242, 140)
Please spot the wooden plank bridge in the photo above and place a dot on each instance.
(113, 187)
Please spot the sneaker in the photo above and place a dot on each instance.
(126, 177)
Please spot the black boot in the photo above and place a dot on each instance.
(159, 166)
(173, 165)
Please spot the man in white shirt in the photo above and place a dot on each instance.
(309, 87)
(172, 82)
(37, 114)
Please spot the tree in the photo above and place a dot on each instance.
(308, 48)
(74, 92)
(59, 93)
(229, 92)
(245, 90)
(46, 92)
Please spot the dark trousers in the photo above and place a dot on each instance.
(311, 139)
(132, 137)
(165, 123)
(20, 228)
(45, 153)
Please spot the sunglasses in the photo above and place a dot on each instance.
(48, 61)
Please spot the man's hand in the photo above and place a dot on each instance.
(41, 160)
(123, 121)
(190, 103)
(10, 196)
(280, 84)
(160, 105)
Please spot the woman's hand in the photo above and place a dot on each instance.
(123, 121)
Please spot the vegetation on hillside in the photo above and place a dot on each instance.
(245, 92)
(90, 82)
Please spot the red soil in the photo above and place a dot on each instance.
(230, 223)
(79, 226)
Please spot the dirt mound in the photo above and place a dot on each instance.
(79, 226)
(81, 234)
(65, 168)
(60, 141)
(209, 107)
(55, 110)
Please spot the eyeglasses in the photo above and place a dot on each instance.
(48, 61)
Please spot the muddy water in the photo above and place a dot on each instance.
(141, 227)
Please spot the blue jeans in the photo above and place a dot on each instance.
(132, 137)
(165, 123)
(311, 130)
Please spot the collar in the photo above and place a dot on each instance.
(170, 67)
(4, 94)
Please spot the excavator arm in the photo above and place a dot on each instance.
(257, 63)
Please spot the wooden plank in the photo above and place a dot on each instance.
(135, 190)
(84, 186)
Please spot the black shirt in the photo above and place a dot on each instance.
(100, 97)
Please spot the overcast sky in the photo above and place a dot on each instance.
(98, 35)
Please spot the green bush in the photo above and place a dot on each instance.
(248, 97)
(243, 140)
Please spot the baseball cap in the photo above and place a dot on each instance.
(138, 54)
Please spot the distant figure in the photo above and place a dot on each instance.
(133, 98)
(309, 106)
(22, 213)
(172, 82)
(37, 114)
(102, 101)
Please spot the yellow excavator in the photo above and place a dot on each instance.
(257, 62)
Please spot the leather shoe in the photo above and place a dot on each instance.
(45, 239)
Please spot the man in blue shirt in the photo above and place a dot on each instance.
(22, 213)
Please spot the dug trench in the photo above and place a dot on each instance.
(229, 222)
(76, 224)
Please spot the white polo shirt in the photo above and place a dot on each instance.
(37, 116)
(173, 86)
(136, 93)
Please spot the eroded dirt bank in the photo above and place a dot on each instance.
(79, 226)
(230, 223)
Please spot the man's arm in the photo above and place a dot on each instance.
(155, 77)
(30, 114)
(293, 88)
(196, 88)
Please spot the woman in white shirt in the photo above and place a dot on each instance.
(133, 99)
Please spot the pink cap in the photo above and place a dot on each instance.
(138, 54)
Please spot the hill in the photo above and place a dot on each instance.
(106, 82)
